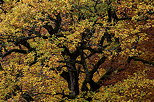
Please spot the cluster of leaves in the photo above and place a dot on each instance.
(135, 88)
(54, 50)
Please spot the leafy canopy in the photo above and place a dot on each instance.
(54, 50)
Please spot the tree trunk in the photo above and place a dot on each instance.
(73, 80)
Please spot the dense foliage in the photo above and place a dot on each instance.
(76, 50)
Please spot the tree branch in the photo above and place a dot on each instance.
(23, 41)
(93, 85)
(15, 50)
(96, 66)
(135, 58)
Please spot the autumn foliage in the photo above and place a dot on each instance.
(76, 50)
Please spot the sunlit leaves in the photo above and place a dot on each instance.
(82, 32)
(134, 88)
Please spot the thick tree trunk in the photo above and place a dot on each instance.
(72, 74)
(73, 80)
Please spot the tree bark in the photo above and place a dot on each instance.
(73, 80)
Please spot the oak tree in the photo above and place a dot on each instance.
(54, 50)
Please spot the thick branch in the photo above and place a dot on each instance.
(66, 50)
(96, 66)
(139, 59)
(54, 31)
(27, 97)
(65, 75)
(15, 50)
(106, 75)
(49, 28)
(23, 41)
(93, 85)
(57, 23)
